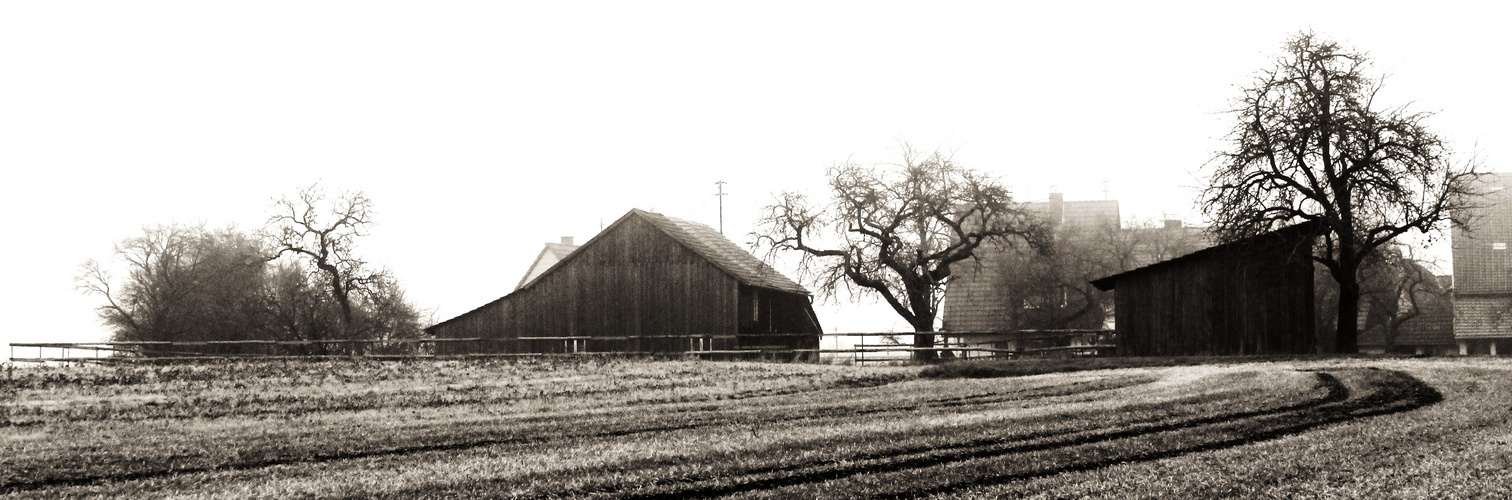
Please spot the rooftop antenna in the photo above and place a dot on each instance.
(721, 195)
(1105, 189)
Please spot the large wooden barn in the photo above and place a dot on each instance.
(650, 284)
(1252, 296)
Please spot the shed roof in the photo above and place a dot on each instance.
(1308, 228)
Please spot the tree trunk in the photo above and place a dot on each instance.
(1348, 336)
(923, 324)
(924, 338)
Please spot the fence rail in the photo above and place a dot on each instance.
(953, 344)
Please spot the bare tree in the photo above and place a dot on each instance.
(324, 231)
(894, 231)
(1398, 288)
(1052, 289)
(1312, 145)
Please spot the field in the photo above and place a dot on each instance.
(1347, 428)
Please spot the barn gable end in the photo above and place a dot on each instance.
(644, 275)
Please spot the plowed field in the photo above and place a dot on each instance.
(685, 429)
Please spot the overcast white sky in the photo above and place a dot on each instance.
(483, 129)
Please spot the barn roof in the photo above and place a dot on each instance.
(712, 246)
(1308, 228)
(723, 253)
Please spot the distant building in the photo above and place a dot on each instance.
(1252, 296)
(988, 293)
(1483, 272)
(1088, 213)
(644, 284)
(549, 256)
(980, 296)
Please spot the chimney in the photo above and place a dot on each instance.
(567, 240)
(1173, 223)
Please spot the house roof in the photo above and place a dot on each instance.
(556, 250)
(1310, 228)
(559, 250)
(1482, 316)
(1434, 324)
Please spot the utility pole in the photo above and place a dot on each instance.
(721, 195)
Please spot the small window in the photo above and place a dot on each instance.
(1499, 246)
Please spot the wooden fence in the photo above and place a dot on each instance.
(889, 347)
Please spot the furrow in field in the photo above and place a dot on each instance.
(1373, 393)
(537, 430)
(935, 455)
(856, 450)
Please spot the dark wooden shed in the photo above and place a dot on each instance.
(641, 285)
(1252, 296)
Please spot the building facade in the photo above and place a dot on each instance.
(1483, 271)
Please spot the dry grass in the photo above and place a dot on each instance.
(626, 429)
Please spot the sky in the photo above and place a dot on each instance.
(481, 130)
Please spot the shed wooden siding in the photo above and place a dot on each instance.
(632, 280)
(1249, 297)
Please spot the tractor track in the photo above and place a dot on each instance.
(1253, 426)
(898, 459)
(705, 415)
